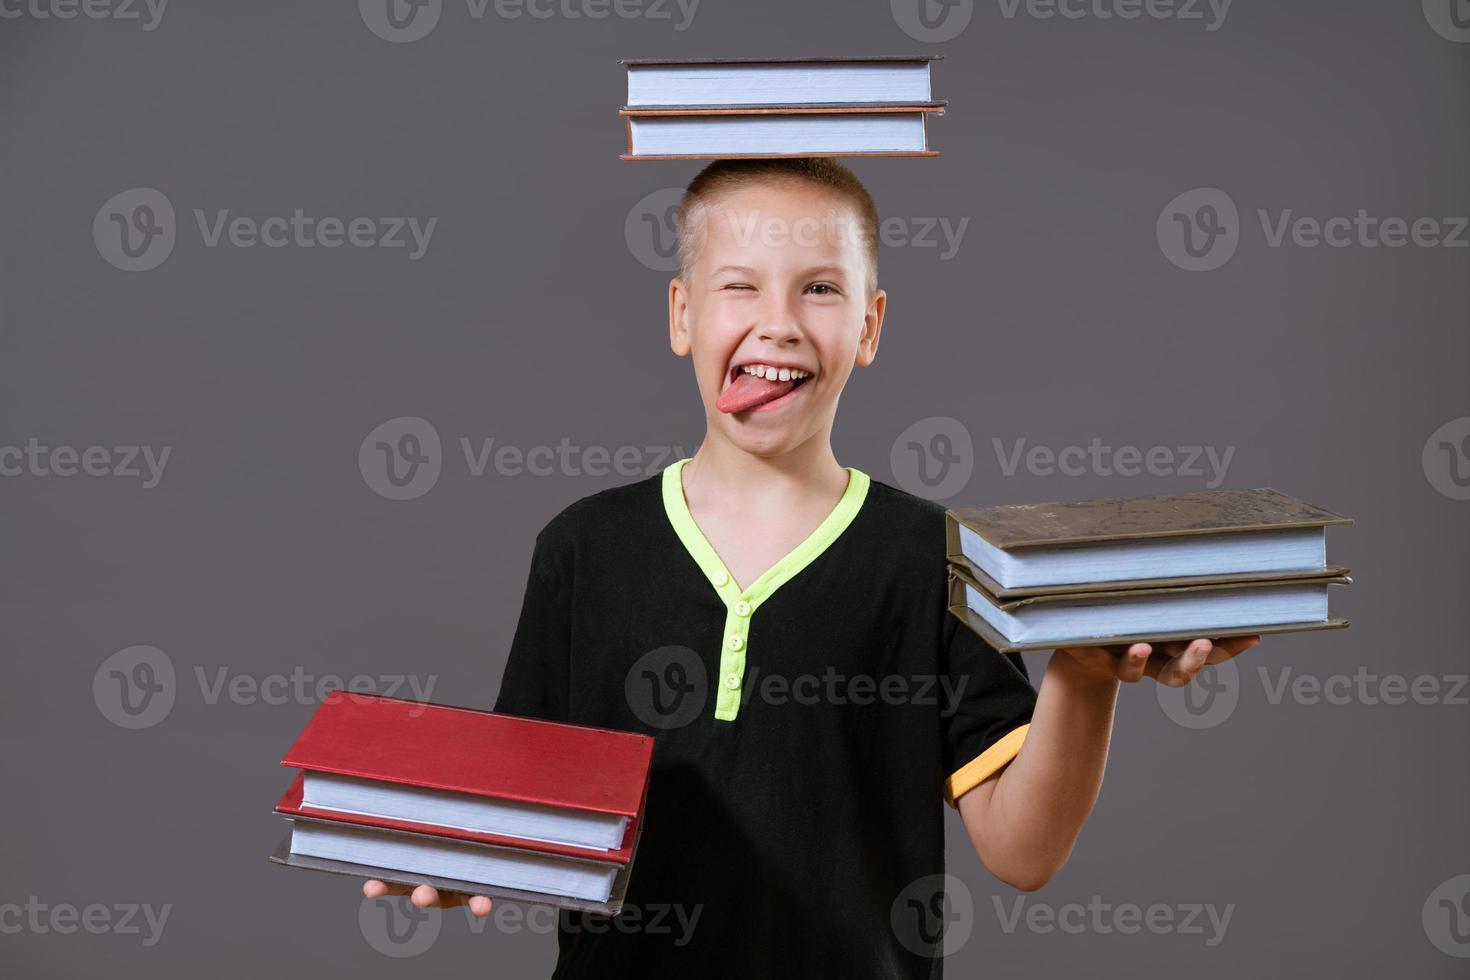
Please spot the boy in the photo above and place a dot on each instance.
(790, 835)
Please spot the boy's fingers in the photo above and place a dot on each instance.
(373, 888)
(1183, 668)
(427, 896)
(1232, 646)
(1134, 662)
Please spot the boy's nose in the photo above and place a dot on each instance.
(779, 324)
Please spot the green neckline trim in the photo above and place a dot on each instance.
(783, 570)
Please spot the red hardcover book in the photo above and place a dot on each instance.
(467, 800)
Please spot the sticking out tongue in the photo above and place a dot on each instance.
(747, 391)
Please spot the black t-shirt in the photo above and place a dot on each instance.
(809, 729)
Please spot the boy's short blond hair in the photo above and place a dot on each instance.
(722, 176)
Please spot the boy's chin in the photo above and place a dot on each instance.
(765, 438)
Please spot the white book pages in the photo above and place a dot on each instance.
(805, 133)
(523, 870)
(349, 794)
(1200, 611)
(1295, 549)
(778, 84)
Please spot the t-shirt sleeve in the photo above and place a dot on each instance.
(991, 708)
(536, 681)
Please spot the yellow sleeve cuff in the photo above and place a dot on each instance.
(985, 765)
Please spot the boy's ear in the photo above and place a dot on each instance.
(872, 328)
(678, 317)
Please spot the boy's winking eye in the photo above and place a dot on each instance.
(821, 281)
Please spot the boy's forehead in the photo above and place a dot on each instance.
(767, 218)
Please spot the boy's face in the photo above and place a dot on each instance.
(778, 286)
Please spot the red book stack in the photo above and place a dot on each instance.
(469, 801)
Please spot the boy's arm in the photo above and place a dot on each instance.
(1024, 821)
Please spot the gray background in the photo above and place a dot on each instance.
(530, 319)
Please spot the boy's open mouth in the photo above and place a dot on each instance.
(758, 383)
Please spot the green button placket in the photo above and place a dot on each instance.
(740, 607)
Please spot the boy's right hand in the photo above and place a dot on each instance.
(427, 896)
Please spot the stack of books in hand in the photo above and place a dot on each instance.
(468, 801)
(769, 107)
(1175, 567)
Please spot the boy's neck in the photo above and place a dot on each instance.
(720, 469)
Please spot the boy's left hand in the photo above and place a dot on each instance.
(1171, 664)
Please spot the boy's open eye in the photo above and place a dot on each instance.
(826, 288)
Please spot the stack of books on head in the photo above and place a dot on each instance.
(1101, 572)
(770, 107)
(468, 801)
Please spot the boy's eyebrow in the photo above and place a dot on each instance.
(829, 270)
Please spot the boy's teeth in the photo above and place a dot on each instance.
(774, 373)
